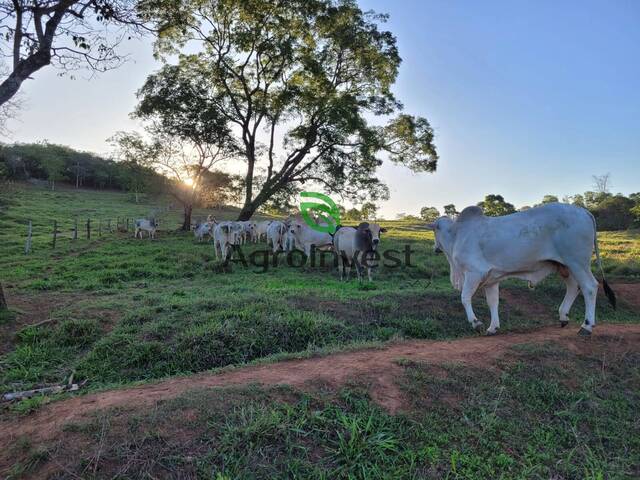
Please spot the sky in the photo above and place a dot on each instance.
(525, 98)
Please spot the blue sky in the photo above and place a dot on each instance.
(526, 98)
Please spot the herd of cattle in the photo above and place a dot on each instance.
(481, 251)
(352, 245)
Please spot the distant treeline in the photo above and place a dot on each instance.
(59, 163)
(612, 212)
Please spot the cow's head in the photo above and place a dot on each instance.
(295, 227)
(368, 236)
(442, 233)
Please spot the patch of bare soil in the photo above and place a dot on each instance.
(378, 367)
(526, 303)
(30, 309)
(35, 308)
(628, 293)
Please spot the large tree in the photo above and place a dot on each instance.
(429, 214)
(186, 161)
(297, 81)
(450, 210)
(70, 34)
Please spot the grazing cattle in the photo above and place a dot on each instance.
(248, 228)
(203, 229)
(529, 245)
(276, 234)
(289, 241)
(261, 229)
(357, 246)
(146, 225)
(226, 235)
(305, 237)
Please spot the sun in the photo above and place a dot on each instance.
(188, 181)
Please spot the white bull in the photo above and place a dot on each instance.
(203, 230)
(276, 235)
(146, 225)
(261, 229)
(226, 235)
(305, 237)
(529, 245)
(357, 246)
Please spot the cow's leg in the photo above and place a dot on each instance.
(471, 283)
(589, 288)
(569, 298)
(492, 294)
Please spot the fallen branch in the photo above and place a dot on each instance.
(43, 322)
(8, 397)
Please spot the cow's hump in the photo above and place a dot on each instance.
(470, 213)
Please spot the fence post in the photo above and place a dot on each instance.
(75, 228)
(88, 229)
(100, 228)
(127, 225)
(109, 225)
(3, 300)
(27, 246)
(55, 234)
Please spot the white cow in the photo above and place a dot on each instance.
(226, 235)
(276, 234)
(306, 237)
(356, 245)
(203, 229)
(261, 229)
(146, 225)
(289, 241)
(249, 228)
(529, 245)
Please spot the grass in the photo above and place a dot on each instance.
(127, 310)
(544, 412)
(118, 310)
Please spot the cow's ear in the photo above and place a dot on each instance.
(430, 226)
(363, 226)
(383, 230)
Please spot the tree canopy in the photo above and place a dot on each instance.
(429, 214)
(294, 84)
(70, 34)
(495, 206)
(450, 210)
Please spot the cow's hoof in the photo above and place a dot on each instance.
(584, 332)
(490, 333)
(564, 323)
(477, 327)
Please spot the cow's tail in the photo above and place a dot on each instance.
(608, 291)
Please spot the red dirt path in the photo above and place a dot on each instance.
(378, 366)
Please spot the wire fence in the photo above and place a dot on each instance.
(75, 230)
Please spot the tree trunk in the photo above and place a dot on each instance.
(3, 300)
(250, 207)
(186, 225)
(247, 212)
